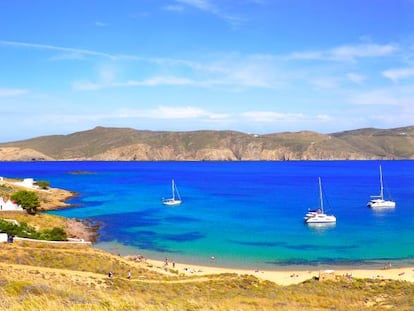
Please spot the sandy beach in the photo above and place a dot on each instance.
(288, 277)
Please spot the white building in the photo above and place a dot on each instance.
(9, 205)
(27, 183)
(3, 237)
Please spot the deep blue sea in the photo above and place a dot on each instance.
(245, 214)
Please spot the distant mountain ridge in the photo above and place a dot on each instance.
(127, 144)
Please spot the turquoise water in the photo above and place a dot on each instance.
(247, 214)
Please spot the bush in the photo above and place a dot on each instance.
(23, 230)
(55, 234)
(43, 184)
(27, 200)
(26, 231)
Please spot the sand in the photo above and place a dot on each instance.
(288, 277)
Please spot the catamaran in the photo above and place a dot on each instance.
(175, 199)
(318, 216)
(378, 201)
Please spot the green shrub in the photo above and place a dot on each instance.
(43, 184)
(27, 200)
(55, 234)
(25, 231)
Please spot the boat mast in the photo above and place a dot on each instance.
(381, 185)
(320, 194)
(172, 189)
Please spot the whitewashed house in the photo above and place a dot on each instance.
(9, 205)
(3, 237)
(27, 183)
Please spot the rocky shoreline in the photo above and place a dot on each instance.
(82, 229)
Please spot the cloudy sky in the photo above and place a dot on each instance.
(257, 66)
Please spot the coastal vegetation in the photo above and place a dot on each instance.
(43, 184)
(24, 230)
(28, 200)
(128, 144)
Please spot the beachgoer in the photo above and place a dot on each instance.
(110, 274)
(129, 274)
(173, 264)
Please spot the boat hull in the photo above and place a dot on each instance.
(171, 202)
(381, 204)
(321, 219)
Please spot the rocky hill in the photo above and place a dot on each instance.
(126, 144)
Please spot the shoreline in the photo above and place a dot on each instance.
(291, 276)
(119, 249)
(399, 270)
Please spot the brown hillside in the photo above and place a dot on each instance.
(128, 144)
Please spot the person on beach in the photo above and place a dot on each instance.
(129, 274)
(110, 274)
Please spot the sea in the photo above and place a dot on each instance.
(243, 214)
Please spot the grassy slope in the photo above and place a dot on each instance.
(37, 277)
(398, 142)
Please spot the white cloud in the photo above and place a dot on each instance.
(271, 116)
(167, 112)
(231, 71)
(398, 74)
(347, 52)
(57, 48)
(12, 92)
(272, 121)
(362, 50)
(230, 75)
(172, 113)
(159, 81)
(150, 82)
(211, 8)
(323, 117)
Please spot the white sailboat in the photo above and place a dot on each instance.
(318, 216)
(378, 201)
(175, 199)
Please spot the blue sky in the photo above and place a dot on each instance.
(256, 66)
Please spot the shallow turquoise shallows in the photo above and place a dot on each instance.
(245, 214)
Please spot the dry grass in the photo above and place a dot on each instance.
(37, 277)
(39, 221)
